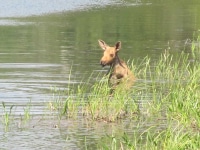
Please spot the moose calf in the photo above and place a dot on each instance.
(119, 73)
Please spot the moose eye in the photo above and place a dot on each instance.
(111, 55)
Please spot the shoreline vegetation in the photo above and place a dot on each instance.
(168, 88)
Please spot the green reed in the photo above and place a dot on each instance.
(100, 105)
(172, 84)
(150, 139)
(7, 116)
(167, 88)
(195, 46)
(92, 100)
(27, 115)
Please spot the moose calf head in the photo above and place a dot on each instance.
(110, 53)
(119, 71)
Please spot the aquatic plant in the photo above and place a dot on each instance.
(172, 91)
(195, 46)
(152, 139)
(6, 116)
(167, 88)
(166, 85)
(27, 112)
(95, 103)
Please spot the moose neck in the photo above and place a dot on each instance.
(116, 61)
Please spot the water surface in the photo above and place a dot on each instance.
(46, 45)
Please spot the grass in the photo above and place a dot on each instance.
(167, 85)
(174, 84)
(169, 138)
(96, 105)
(27, 115)
(195, 46)
(7, 116)
(167, 88)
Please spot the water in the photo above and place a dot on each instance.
(42, 43)
(27, 8)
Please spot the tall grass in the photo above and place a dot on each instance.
(7, 116)
(95, 103)
(27, 115)
(170, 84)
(195, 46)
(170, 138)
(167, 88)
(174, 85)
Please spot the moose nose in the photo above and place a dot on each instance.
(102, 63)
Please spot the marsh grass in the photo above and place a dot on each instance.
(169, 85)
(27, 115)
(174, 85)
(195, 46)
(150, 139)
(93, 101)
(7, 116)
(167, 88)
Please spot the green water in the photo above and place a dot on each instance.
(40, 52)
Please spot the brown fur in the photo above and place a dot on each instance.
(119, 72)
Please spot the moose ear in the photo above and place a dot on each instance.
(118, 46)
(102, 44)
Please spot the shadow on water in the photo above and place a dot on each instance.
(38, 53)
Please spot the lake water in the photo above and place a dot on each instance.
(42, 43)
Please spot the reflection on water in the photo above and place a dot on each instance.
(69, 134)
(54, 50)
(24, 8)
(7, 22)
